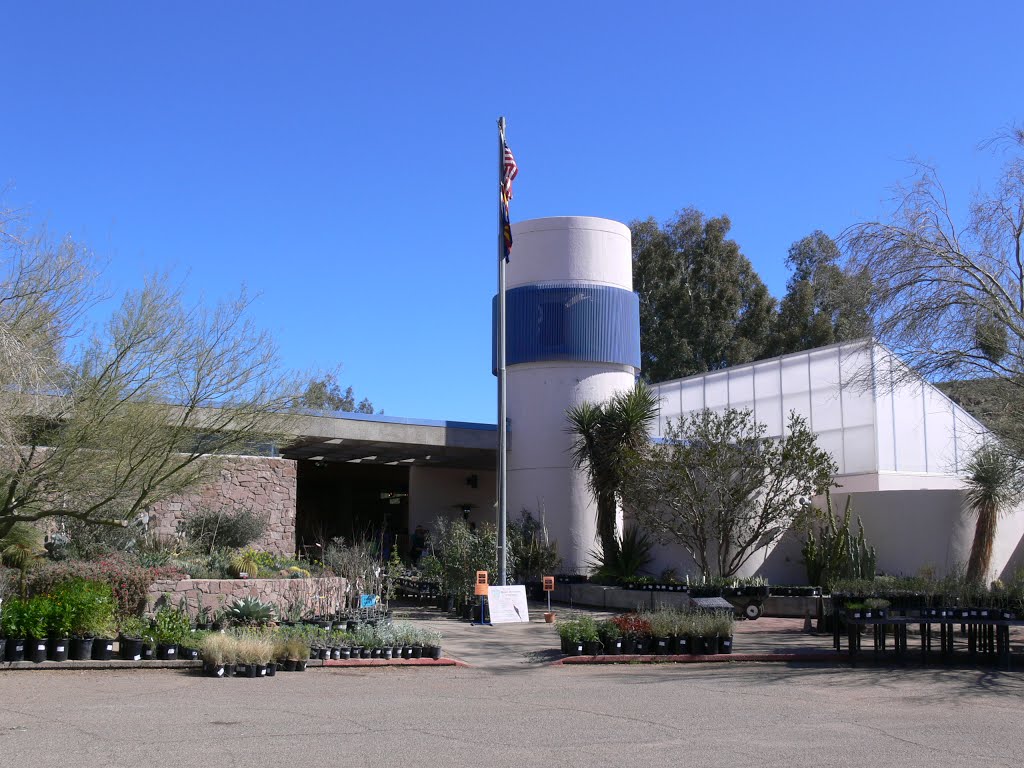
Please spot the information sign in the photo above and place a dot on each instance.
(508, 604)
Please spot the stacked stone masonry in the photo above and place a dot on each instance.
(291, 597)
(263, 484)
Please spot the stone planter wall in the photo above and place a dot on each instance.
(310, 596)
(261, 483)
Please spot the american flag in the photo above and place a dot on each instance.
(509, 170)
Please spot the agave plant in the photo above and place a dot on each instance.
(250, 611)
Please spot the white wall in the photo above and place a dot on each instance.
(910, 530)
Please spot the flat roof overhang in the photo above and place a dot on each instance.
(388, 440)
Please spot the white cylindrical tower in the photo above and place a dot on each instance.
(573, 335)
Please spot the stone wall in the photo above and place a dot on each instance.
(319, 596)
(261, 483)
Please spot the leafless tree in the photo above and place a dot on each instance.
(99, 423)
(949, 296)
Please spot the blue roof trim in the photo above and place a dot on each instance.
(384, 419)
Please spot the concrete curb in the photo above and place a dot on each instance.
(70, 666)
(825, 657)
(445, 662)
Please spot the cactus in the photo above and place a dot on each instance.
(835, 553)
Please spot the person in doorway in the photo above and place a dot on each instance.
(419, 543)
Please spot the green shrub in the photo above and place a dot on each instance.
(208, 530)
(90, 604)
(12, 619)
(171, 625)
(36, 617)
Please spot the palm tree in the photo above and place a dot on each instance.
(603, 436)
(992, 486)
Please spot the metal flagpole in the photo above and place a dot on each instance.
(500, 347)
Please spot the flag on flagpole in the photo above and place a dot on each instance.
(509, 170)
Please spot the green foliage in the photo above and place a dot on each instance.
(824, 303)
(835, 553)
(323, 393)
(89, 605)
(35, 617)
(12, 617)
(129, 582)
(458, 553)
(531, 554)
(702, 305)
(250, 611)
(134, 627)
(604, 436)
(993, 485)
(722, 489)
(632, 556)
(207, 530)
(171, 625)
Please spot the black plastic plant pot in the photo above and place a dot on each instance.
(683, 644)
(725, 644)
(58, 648)
(288, 665)
(435, 652)
(697, 646)
(627, 646)
(167, 651)
(376, 653)
(324, 654)
(3, 647)
(81, 648)
(300, 665)
(189, 654)
(661, 646)
(35, 650)
(406, 651)
(711, 645)
(15, 650)
(612, 647)
(345, 652)
(148, 652)
(591, 647)
(335, 653)
(386, 653)
(641, 645)
(102, 649)
(261, 670)
(131, 648)
(364, 653)
(417, 651)
(575, 649)
(271, 669)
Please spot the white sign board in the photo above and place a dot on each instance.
(508, 604)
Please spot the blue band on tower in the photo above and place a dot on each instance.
(569, 321)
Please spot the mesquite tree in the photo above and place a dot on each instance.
(722, 489)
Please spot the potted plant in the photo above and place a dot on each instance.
(132, 630)
(218, 654)
(572, 643)
(12, 622)
(723, 626)
(662, 627)
(36, 617)
(170, 627)
(60, 615)
(611, 637)
(431, 644)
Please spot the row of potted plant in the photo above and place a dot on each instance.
(263, 651)
(662, 632)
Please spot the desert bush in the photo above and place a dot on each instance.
(208, 529)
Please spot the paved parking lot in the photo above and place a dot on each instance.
(708, 715)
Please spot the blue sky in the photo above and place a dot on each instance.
(338, 158)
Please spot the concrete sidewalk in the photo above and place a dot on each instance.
(520, 646)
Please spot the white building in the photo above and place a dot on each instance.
(900, 449)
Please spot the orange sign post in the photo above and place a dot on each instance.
(480, 590)
(549, 587)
